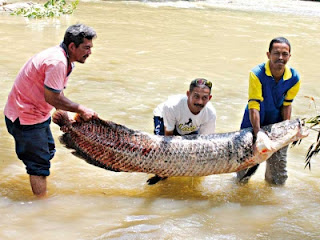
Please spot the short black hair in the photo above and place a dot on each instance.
(200, 82)
(279, 40)
(76, 34)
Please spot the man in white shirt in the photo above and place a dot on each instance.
(186, 114)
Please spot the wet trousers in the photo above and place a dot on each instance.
(276, 172)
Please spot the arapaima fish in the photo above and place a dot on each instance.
(118, 148)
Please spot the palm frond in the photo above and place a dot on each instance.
(314, 149)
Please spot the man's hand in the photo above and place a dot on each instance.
(86, 113)
(59, 101)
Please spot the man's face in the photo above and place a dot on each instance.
(279, 56)
(80, 53)
(198, 98)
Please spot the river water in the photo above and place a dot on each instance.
(146, 51)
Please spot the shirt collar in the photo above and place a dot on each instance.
(64, 47)
(287, 73)
(70, 65)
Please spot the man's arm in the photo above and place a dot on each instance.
(287, 107)
(254, 115)
(286, 112)
(168, 133)
(255, 97)
(59, 101)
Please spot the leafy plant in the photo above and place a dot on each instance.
(315, 147)
(51, 8)
(313, 124)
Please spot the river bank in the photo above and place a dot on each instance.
(292, 7)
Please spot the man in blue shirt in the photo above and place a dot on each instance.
(272, 88)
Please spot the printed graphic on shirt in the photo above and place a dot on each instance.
(187, 127)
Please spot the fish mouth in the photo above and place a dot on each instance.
(303, 130)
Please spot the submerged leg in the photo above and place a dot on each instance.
(155, 179)
(276, 172)
(243, 176)
(38, 185)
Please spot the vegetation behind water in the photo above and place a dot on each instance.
(52, 8)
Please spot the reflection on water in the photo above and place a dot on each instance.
(145, 52)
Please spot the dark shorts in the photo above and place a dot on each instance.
(34, 145)
(158, 126)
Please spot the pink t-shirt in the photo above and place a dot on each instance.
(26, 100)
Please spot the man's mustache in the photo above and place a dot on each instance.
(199, 105)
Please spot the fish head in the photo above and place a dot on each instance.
(279, 135)
(304, 131)
(289, 131)
(276, 136)
(61, 118)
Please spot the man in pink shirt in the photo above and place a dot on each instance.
(38, 89)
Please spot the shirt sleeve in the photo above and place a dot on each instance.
(255, 92)
(169, 118)
(55, 76)
(291, 94)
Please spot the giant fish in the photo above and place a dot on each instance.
(118, 148)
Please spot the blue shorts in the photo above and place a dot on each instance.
(158, 126)
(34, 145)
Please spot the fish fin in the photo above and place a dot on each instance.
(153, 180)
(248, 173)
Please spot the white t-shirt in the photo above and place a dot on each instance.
(176, 114)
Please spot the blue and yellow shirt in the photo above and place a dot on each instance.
(267, 96)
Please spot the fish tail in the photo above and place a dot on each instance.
(61, 118)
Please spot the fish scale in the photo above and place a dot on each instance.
(117, 148)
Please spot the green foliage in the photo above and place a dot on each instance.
(52, 8)
(314, 149)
